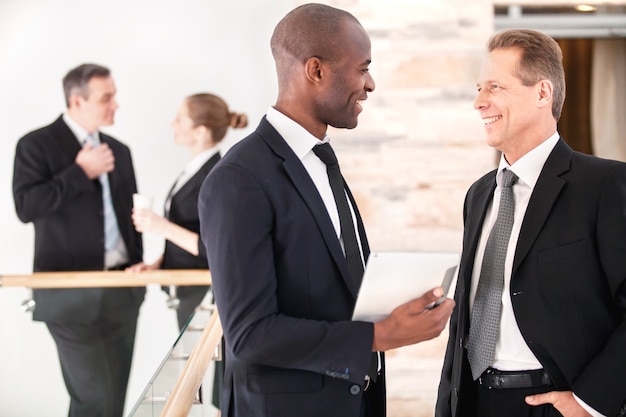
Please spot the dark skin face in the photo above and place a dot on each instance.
(329, 92)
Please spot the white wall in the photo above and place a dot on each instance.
(159, 52)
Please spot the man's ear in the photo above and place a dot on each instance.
(314, 70)
(545, 91)
(75, 101)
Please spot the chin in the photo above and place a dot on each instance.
(348, 124)
(494, 141)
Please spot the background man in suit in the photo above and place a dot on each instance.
(561, 333)
(271, 226)
(76, 184)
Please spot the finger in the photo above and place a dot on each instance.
(135, 268)
(445, 308)
(539, 399)
(138, 226)
(430, 297)
(418, 305)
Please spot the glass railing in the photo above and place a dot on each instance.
(156, 394)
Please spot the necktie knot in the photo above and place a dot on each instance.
(91, 139)
(326, 154)
(508, 178)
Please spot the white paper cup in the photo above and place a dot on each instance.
(142, 201)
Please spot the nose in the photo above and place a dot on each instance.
(370, 85)
(481, 102)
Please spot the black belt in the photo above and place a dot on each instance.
(495, 379)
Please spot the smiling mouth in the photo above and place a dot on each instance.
(489, 120)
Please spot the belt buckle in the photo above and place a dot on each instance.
(491, 381)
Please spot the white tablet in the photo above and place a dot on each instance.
(394, 278)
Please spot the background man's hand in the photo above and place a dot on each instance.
(95, 161)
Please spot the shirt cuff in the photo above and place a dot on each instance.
(587, 408)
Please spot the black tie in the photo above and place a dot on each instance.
(348, 235)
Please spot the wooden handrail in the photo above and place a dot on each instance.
(99, 279)
(182, 397)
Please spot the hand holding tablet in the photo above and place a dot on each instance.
(394, 278)
(404, 295)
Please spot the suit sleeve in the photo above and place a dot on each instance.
(38, 187)
(601, 384)
(236, 218)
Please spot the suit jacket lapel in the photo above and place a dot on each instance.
(307, 190)
(476, 206)
(478, 203)
(65, 137)
(196, 180)
(547, 189)
(359, 221)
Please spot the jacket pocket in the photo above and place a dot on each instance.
(563, 252)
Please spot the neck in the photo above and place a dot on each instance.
(76, 117)
(532, 139)
(198, 149)
(303, 116)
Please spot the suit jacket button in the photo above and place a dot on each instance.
(355, 389)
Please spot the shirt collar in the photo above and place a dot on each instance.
(300, 140)
(80, 133)
(199, 160)
(529, 166)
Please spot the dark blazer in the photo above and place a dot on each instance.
(66, 209)
(568, 283)
(184, 212)
(283, 289)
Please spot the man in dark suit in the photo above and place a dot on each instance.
(560, 334)
(76, 184)
(271, 226)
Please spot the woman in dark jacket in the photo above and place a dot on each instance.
(201, 123)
